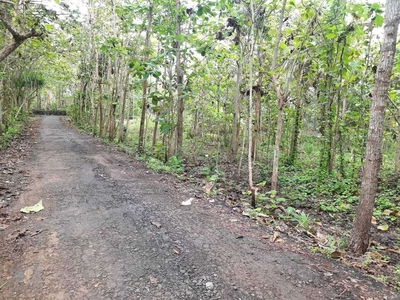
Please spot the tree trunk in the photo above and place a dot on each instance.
(359, 238)
(296, 132)
(257, 116)
(111, 120)
(397, 155)
(122, 110)
(179, 82)
(145, 84)
(278, 137)
(281, 99)
(236, 113)
(250, 120)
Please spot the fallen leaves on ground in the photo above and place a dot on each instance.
(384, 227)
(34, 208)
(187, 202)
(157, 224)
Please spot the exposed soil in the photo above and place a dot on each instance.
(111, 229)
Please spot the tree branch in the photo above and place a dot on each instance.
(8, 26)
(7, 2)
(17, 38)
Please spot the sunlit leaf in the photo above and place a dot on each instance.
(384, 227)
(331, 35)
(378, 20)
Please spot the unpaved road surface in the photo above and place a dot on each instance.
(111, 229)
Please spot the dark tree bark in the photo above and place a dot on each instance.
(359, 238)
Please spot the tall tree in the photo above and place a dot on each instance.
(359, 238)
(179, 80)
(145, 82)
(281, 99)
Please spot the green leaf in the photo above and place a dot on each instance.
(331, 35)
(282, 45)
(378, 20)
(375, 6)
(48, 27)
(165, 128)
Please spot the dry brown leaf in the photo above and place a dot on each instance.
(275, 236)
(336, 254)
(321, 237)
(394, 251)
(373, 220)
(208, 187)
(375, 255)
(245, 213)
(388, 212)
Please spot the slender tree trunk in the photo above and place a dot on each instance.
(278, 137)
(296, 131)
(250, 117)
(81, 99)
(281, 102)
(145, 83)
(257, 121)
(179, 82)
(336, 130)
(101, 111)
(397, 155)
(122, 110)
(236, 113)
(359, 238)
(94, 125)
(296, 126)
(111, 118)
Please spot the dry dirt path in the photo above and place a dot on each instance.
(111, 229)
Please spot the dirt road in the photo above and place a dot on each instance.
(111, 229)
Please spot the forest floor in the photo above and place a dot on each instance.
(113, 229)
